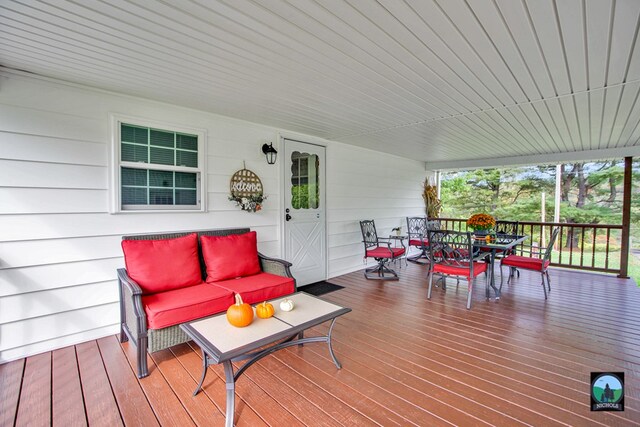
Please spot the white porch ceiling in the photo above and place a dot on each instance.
(443, 81)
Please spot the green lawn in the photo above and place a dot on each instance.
(599, 261)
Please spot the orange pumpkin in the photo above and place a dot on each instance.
(240, 314)
(264, 310)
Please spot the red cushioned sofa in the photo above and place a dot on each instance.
(179, 277)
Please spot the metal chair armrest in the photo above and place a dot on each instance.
(388, 242)
(528, 251)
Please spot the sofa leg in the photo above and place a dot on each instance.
(123, 335)
(141, 351)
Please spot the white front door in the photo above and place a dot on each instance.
(305, 206)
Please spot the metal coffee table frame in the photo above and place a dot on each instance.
(287, 338)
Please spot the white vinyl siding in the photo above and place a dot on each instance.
(365, 184)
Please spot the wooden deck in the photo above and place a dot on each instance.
(407, 361)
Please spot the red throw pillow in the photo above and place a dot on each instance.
(228, 257)
(162, 265)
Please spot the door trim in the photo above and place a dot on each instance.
(282, 182)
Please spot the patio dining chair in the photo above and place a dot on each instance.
(505, 228)
(417, 228)
(509, 228)
(380, 249)
(540, 264)
(451, 255)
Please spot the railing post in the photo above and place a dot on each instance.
(626, 220)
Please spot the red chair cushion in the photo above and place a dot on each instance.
(384, 252)
(483, 249)
(183, 305)
(418, 243)
(228, 257)
(525, 262)
(163, 265)
(461, 270)
(259, 287)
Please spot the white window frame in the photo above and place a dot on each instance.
(115, 165)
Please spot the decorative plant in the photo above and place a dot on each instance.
(250, 203)
(432, 203)
(481, 221)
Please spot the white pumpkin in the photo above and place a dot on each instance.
(286, 304)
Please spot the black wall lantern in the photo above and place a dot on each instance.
(270, 153)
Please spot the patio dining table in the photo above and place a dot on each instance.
(503, 243)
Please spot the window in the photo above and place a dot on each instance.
(305, 182)
(157, 168)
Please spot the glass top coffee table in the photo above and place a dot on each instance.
(221, 342)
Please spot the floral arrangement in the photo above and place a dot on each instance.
(250, 203)
(481, 221)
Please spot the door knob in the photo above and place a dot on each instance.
(287, 217)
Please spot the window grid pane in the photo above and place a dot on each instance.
(154, 187)
(162, 138)
(155, 146)
(134, 134)
(187, 158)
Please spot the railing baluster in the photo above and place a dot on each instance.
(606, 253)
(571, 234)
(582, 231)
(560, 245)
(593, 247)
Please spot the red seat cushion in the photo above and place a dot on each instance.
(163, 265)
(483, 249)
(259, 287)
(417, 242)
(384, 252)
(228, 257)
(183, 305)
(460, 270)
(524, 262)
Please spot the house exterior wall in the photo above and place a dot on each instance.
(60, 246)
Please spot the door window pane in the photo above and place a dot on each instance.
(305, 182)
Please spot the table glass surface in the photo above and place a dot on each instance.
(501, 242)
(226, 338)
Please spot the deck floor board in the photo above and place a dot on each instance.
(406, 361)
(10, 384)
(34, 408)
(68, 403)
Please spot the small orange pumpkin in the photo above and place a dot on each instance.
(264, 310)
(240, 314)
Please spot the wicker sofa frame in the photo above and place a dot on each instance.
(133, 321)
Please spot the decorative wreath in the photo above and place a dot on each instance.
(246, 190)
